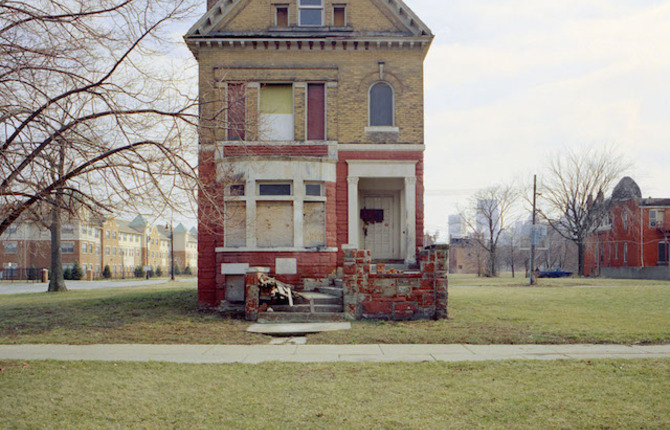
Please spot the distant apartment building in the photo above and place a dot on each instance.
(633, 239)
(96, 242)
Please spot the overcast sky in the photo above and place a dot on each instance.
(508, 83)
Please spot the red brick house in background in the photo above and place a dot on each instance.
(633, 241)
(312, 136)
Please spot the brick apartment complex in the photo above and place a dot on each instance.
(311, 136)
(95, 242)
(633, 240)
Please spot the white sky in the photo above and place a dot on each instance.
(508, 83)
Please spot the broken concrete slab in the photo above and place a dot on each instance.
(291, 329)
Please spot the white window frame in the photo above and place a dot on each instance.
(320, 7)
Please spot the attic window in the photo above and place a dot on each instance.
(281, 16)
(339, 16)
(310, 13)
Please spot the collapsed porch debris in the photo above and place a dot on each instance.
(271, 289)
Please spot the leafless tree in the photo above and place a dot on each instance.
(573, 192)
(489, 215)
(91, 114)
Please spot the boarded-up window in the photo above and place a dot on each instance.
(274, 224)
(316, 112)
(237, 107)
(339, 16)
(276, 116)
(282, 16)
(381, 105)
(314, 224)
(235, 225)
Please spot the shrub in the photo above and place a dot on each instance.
(77, 273)
(188, 271)
(159, 271)
(106, 272)
(177, 270)
(67, 274)
(138, 272)
(32, 273)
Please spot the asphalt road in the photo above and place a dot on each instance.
(30, 287)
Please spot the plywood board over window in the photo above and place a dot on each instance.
(235, 225)
(316, 112)
(276, 112)
(314, 224)
(274, 224)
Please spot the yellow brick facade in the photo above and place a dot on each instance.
(348, 86)
(259, 15)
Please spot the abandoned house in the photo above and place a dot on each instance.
(311, 149)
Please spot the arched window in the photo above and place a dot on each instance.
(381, 105)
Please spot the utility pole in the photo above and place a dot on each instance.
(533, 235)
(171, 252)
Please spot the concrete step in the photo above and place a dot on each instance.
(331, 291)
(307, 308)
(271, 317)
(319, 299)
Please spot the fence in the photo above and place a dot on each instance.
(23, 274)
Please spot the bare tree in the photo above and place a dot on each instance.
(489, 216)
(573, 192)
(89, 109)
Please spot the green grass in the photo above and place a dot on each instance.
(157, 314)
(559, 311)
(601, 394)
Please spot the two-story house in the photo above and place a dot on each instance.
(633, 240)
(311, 136)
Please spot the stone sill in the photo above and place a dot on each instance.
(285, 249)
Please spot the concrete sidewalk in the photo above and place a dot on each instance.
(326, 353)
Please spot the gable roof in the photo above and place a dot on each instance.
(206, 25)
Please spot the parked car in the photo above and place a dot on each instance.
(556, 273)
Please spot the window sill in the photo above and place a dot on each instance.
(382, 129)
(285, 249)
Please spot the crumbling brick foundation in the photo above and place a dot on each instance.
(373, 294)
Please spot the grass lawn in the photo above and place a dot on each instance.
(493, 395)
(499, 311)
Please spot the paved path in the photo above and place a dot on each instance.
(326, 353)
(20, 288)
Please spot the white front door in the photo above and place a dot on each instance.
(379, 226)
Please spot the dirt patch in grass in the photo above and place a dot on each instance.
(493, 395)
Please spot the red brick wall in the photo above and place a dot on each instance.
(395, 296)
(276, 150)
(209, 230)
(309, 264)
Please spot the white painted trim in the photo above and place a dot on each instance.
(287, 249)
(382, 168)
(381, 128)
(394, 147)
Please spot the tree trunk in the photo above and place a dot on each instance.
(56, 280)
